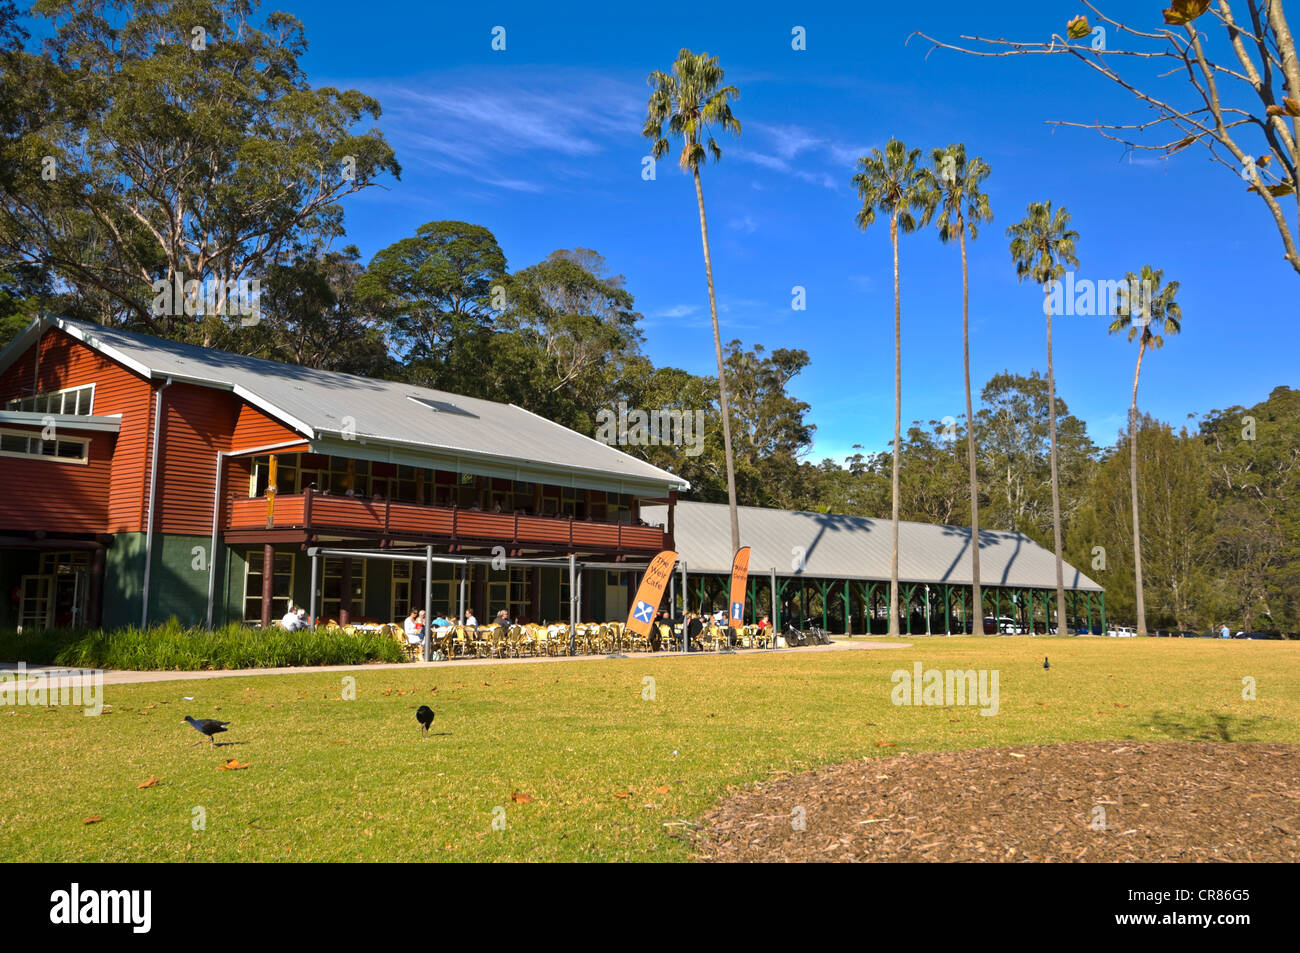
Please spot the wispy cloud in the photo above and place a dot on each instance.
(743, 223)
(801, 153)
(477, 126)
(676, 311)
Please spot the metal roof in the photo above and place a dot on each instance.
(857, 547)
(367, 418)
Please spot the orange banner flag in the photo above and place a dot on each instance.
(739, 577)
(651, 592)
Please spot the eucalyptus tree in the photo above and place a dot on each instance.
(1148, 311)
(962, 208)
(692, 101)
(174, 143)
(897, 185)
(1042, 244)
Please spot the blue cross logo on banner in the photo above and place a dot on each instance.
(644, 611)
(737, 610)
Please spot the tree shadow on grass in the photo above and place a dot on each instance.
(1185, 726)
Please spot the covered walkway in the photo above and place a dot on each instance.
(835, 570)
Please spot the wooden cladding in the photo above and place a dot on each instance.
(58, 497)
(255, 429)
(59, 361)
(318, 513)
(197, 422)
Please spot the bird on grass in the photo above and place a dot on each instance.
(207, 726)
(1046, 664)
(424, 715)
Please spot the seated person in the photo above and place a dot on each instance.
(503, 620)
(294, 619)
(412, 628)
(441, 622)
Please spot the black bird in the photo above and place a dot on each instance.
(207, 726)
(424, 715)
(1046, 664)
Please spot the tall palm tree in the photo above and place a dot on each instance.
(692, 100)
(1148, 312)
(1042, 244)
(897, 185)
(962, 208)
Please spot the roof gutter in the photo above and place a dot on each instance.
(153, 499)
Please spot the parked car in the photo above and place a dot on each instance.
(1121, 632)
(1004, 625)
(1258, 635)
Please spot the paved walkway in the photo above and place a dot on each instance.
(129, 678)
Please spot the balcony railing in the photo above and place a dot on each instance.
(313, 512)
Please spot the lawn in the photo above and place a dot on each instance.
(599, 772)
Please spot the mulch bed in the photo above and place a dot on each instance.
(1175, 801)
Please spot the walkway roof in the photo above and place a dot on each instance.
(857, 547)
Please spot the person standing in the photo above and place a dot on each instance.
(1225, 633)
(693, 628)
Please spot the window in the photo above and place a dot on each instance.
(408, 589)
(18, 443)
(467, 494)
(281, 585)
(510, 590)
(74, 400)
(573, 502)
(332, 587)
(286, 474)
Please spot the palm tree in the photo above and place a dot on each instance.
(692, 100)
(897, 185)
(963, 207)
(1148, 312)
(1042, 244)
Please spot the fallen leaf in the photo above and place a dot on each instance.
(886, 744)
(623, 795)
(92, 820)
(232, 765)
(520, 798)
(147, 783)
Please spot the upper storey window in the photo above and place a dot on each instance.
(74, 400)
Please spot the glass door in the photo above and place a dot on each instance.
(35, 611)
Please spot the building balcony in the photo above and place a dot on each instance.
(309, 513)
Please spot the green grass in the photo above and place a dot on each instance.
(331, 779)
(173, 647)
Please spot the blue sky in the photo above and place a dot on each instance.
(541, 143)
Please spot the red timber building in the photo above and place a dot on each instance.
(142, 478)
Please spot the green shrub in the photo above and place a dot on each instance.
(171, 646)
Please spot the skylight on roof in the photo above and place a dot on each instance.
(441, 406)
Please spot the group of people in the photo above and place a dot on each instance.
(417, 627)
(693, 624)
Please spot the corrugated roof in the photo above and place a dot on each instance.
(856, 547)
(318, 404)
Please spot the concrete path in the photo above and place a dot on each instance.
(130, 678)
